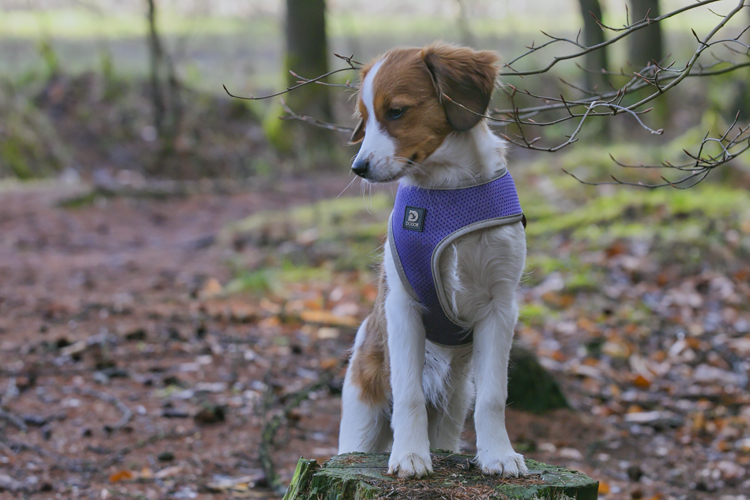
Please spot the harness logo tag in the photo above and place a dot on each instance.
(414, 218)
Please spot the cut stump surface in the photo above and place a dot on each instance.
(359, 476)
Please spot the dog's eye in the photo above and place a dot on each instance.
(395, 113)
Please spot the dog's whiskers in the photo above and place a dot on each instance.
(347, 186)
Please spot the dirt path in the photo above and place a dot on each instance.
(99, 311)
(124, 374)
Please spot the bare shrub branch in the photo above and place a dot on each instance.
(658, 76)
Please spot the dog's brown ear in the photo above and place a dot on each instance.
(359, 132)
(466, 76)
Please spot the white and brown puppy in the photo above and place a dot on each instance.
(402, 391)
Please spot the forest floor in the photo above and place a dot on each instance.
(145, 344)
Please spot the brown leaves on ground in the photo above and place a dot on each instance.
(648, 340)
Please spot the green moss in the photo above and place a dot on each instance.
(12, 155)
(535, 313)
(258, 281)
(359, 476)
(631, 212)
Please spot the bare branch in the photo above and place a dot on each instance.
(626, 31)
(353, 66)
(701, 165)
(291, 115)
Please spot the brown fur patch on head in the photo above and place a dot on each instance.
(414, 80)
(370, 369)
(403, 82)
(466, 76)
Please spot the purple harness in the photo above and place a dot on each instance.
(424, 222)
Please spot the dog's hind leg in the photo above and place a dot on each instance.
(365, 416)
(364, 427)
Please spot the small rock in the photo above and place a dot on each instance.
(136, 334)
(706, 374)
(570, 453)
(100, 378)
(742, 445)
(62, 342)
(211, 387)
(122, 303)
(7, 483)
(171, 413)
(185, 494)
(210, 415)
(730, 470)
(34, 420)
(635, 472)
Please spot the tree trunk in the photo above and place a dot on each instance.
(645, 44)
(307, 56)
(596, 61)
(359, 476)
(743, 89)
(165, 86)
(156, 56)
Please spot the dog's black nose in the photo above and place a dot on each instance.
(361, 167)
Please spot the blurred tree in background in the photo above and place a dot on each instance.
(307, 56)
(595, 63)
(647, 46)
(119, 93)
(165, 86)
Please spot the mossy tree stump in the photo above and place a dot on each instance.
(359, 476)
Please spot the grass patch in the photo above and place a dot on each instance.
(535, 313)
(675, 215)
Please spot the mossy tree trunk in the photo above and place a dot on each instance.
(359, 476)
(645, 46)
(595, 62)
(306, 56)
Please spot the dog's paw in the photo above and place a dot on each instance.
(408, 465)
(506, 465)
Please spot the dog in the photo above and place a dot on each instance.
(422, 356)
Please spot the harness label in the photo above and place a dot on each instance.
(414, 218)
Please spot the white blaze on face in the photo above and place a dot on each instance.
(377, 147)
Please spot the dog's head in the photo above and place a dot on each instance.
(411, 99)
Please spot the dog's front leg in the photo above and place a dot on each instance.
(410, 454)
(493, 337)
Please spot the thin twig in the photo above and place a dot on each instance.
(15, 420)
(126, 413)
(272, 425)
(304, 81)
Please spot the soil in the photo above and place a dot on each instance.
(123, 375)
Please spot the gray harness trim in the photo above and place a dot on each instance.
(447, 241)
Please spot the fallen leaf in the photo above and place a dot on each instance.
(603, 488)
(641, 382)
(328, 363)
(327, 318)
(121, 475)
(212, 288)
